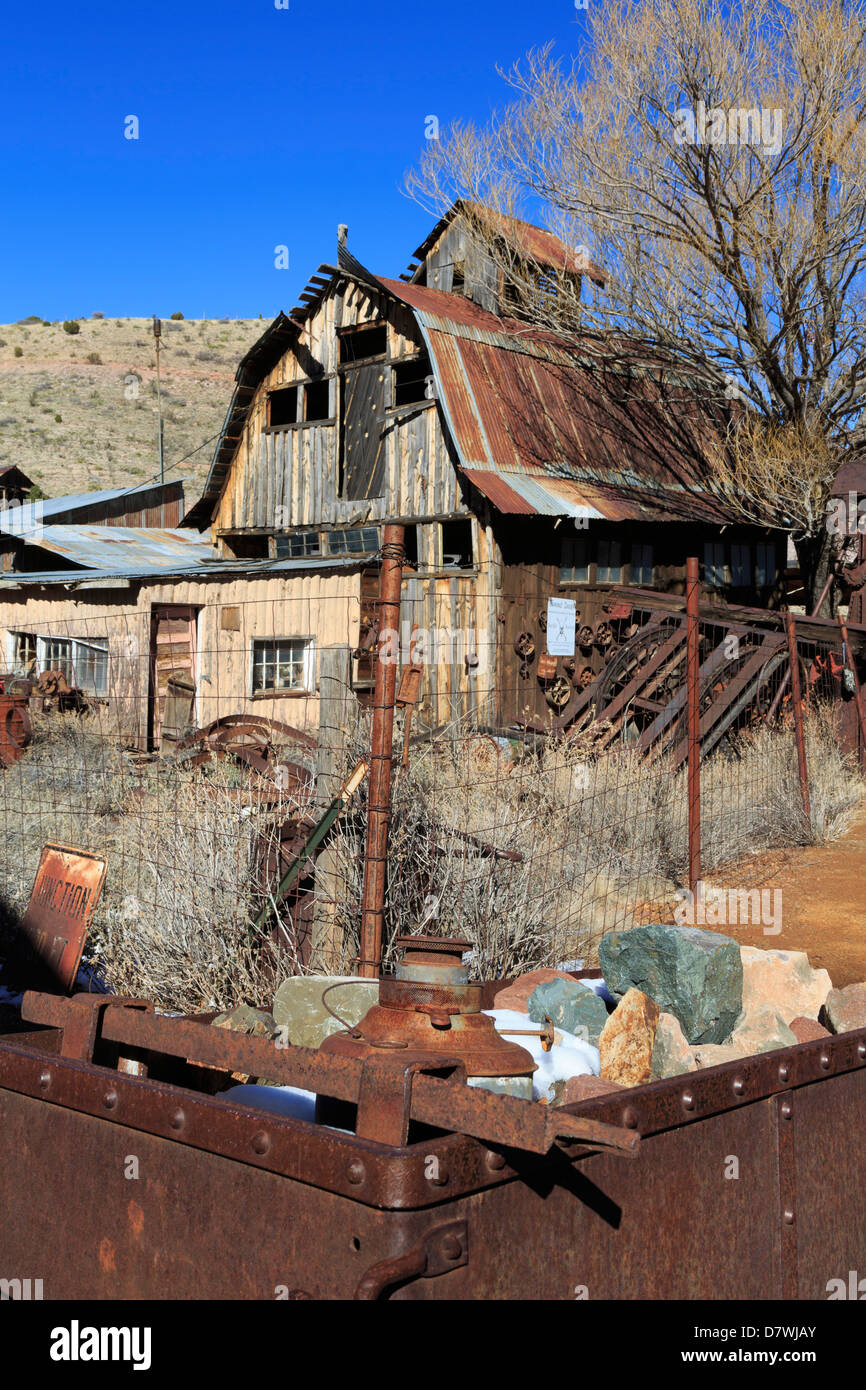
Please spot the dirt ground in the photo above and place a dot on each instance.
(823, 902)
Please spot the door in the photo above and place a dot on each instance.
(171, 698)
(362, 414)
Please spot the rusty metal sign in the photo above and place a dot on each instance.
(54, 928)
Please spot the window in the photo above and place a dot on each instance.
(766, 567)
(283, 406)
(283, 666)
(640, 570)
(23, 650)
(83, 663)
(458, 278)
(456, 545)
(317, 401)
(609, 562)
(410, 546)
(741, 566)
(574, 560)
(358, 343)
(359, 540)
(297, 545)
(90, 665)
(714, 563)
(411, 381)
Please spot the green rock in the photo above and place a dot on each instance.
(303, 1019)
(695, 975)
(571, 1006)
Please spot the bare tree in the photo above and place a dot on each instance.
(711, 159)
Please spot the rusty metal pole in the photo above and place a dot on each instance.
(379, 805)
(693, 606)
(797, 700)
(858, 693)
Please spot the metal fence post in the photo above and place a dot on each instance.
(379, 805)
(796, 694)
(693, 600)
(851, 665)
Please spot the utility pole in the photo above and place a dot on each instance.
(157, 333)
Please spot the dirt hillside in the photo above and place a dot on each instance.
(78, 410)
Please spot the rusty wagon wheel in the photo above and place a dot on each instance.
(559, 692)
(632, 657)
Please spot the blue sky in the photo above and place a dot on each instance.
(258, 127)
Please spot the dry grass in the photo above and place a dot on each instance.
(176, 921)
(603, 840)
(594, 844)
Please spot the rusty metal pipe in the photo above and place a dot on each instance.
(379, 804)
(799, 732)
(858, 693)
(693, 601)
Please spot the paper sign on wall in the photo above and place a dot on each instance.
(561, 615)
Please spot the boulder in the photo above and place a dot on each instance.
(516, 995)
(693, 974)
(715, 1054)
(303, 1019)
(783, 981)
(761, 1030)
(570, 1006)
(672, 1055)
(807, 1030)
(578, 1088)
(845, 1009)
(626, 1042)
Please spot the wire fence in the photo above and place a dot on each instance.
(208, 750)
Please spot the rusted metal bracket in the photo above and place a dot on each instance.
(82, 1027)
(440, 1250)
(385, 1093)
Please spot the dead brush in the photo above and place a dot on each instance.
(535, 855)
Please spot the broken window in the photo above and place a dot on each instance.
(297, 545)
(714, 563)
(283, 665)
(410, 546)
(456, 549)
(411, 380)
(283, 406)
(23, 650)
(369, 341)
(317, 401)
(609, 562)
(458, 278)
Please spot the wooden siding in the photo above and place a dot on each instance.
(282, 478)
(325, 607)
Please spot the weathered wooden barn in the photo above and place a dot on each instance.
(522, 464)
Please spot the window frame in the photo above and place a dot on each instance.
(309, 667)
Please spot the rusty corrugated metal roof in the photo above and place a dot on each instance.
(562, 426)
(119, 548)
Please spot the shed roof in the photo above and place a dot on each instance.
(118, 548)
